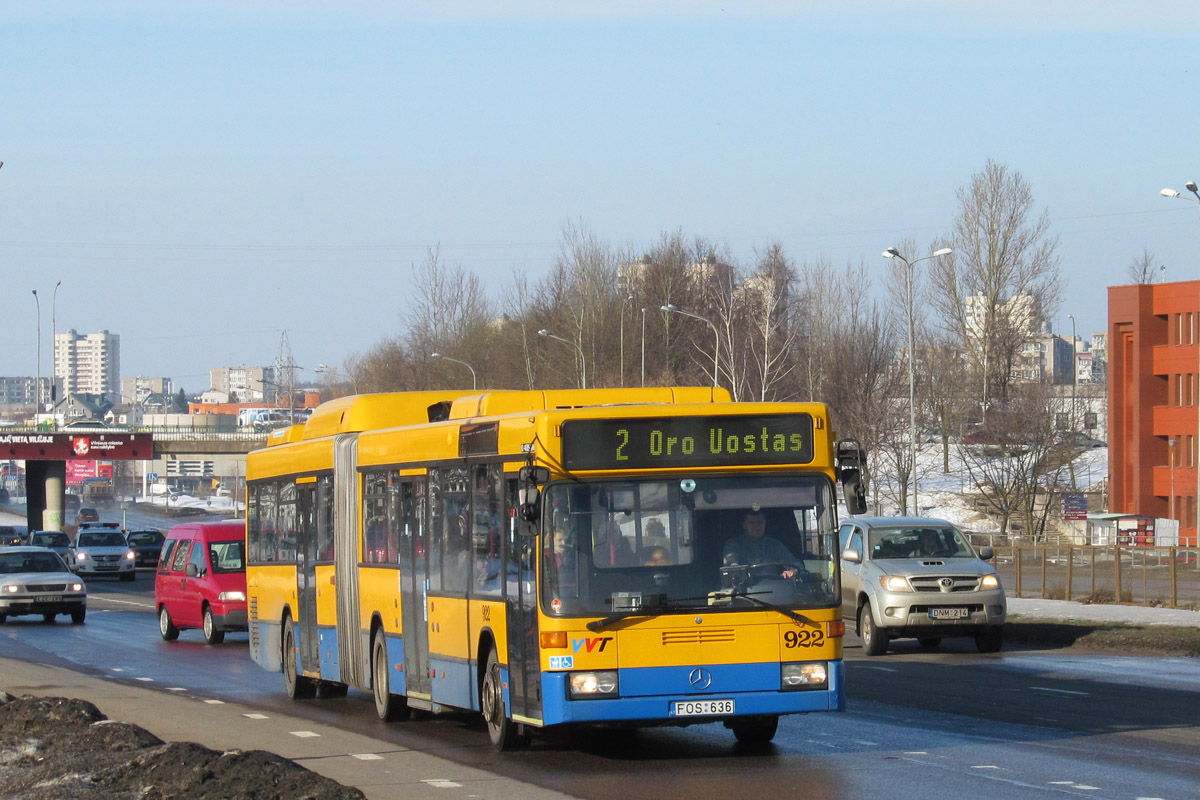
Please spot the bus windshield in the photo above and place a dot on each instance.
(685, 543)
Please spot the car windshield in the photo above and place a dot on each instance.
(919, 541)
(107, 539)
(227, 556)
(13, 563)
(617, 547)
(51, 540)
(145, 538)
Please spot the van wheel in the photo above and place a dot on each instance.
(875, 641)
(165, 627)
(388, 706)
(212, 634)
(299, 687)
(504, 733)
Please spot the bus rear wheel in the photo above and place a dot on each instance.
(388, 706)
(299, 687)
(504, 733)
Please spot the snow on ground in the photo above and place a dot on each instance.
(950, 495)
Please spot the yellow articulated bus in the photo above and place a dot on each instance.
(547, 558)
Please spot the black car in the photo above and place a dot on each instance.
(147, 545)
(9, 537)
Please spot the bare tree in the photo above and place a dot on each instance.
(1003, 274)
(1141, 269)
(771, 325)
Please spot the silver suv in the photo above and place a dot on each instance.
(918, 577)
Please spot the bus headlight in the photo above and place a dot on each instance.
(989, 582)
(804, 675)
(587, 685)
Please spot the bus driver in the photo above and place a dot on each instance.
(755, 547)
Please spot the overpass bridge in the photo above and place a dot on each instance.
(46, 453)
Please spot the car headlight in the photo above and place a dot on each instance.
(76, 587)
(130, 556)
(804, 675)
(597, 684)
(895, 583)
(229, 596)
(990, 582)
(81, 556)
(10, 588)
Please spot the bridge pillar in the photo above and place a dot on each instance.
(45, 482)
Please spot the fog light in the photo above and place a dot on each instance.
(593, 684)
(804, 675)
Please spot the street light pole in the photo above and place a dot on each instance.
(53, 337)
(892, 252)
(671, 307)
(456, 361)
(37, 387)
(578, 349)
(1191, 187)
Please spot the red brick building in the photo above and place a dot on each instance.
(1154, 399)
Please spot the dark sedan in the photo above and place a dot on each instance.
(147, 545)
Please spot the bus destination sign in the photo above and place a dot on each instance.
(727, 441)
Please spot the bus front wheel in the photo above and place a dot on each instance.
(388, 706)
(504, 733)
(299, 687)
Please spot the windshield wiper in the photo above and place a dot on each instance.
(660, 603)
(787, 612)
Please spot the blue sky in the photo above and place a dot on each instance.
(202, 176)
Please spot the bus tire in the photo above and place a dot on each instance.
(756, 730)
(504, 733)
(166, 628)
(299, 687)
(390, 707)
(875, 641)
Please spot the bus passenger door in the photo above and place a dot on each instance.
(415, 588)
(524, 668)
(306, 578)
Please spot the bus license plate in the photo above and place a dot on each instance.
(49, 598)
(701, 708)
(948, 613)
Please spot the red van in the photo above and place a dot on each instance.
(201, 580)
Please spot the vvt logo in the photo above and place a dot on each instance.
(591, 644)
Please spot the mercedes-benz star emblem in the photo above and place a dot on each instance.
(700, 678)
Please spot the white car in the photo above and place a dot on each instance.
(35, 580)
(104, 551)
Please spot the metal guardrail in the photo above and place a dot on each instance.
(1160, 576)
(166, 433)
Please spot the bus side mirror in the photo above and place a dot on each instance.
(529, 495)
(851, 467)
(854, 492)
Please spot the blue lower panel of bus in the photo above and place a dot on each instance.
(646, 694)
(454, 683)
(397, 678)
(327, 644)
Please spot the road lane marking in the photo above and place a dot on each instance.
(177, 689)
(255, 716)
(147, 680)
(1057, 691)
(304, 734)
(215, 702)
(442, 783)
(367, 756)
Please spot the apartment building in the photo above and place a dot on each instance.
(1153, 353)
(247, 384)
(88, 363)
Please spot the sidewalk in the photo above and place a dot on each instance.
(1101, 612)
(380, 769)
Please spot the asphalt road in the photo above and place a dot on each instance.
(947, 722)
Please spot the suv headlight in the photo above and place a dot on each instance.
(895, 583)
(804, 675)
(990, 582)
(589, 685)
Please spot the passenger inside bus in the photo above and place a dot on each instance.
(611, 548)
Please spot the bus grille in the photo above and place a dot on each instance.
(702, 636)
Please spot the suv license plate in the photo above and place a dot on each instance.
(948, 613)
(49, 598)
(701, 708)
